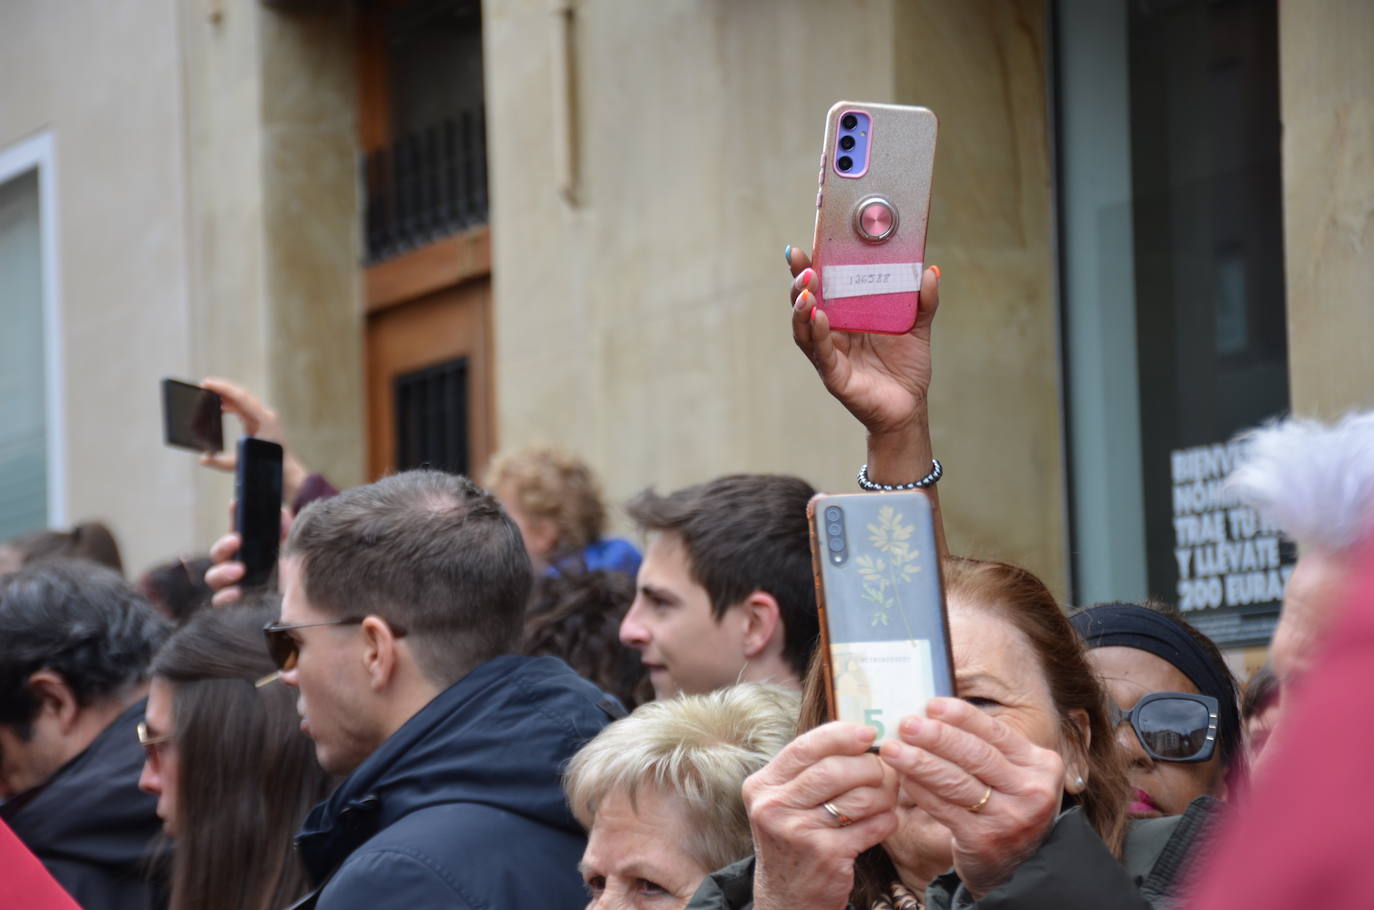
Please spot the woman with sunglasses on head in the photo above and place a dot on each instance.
(233, 773)
(1175, 703)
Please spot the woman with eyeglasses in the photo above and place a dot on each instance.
(233, 774)
(1173, 700)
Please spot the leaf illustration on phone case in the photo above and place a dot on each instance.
(880, 576)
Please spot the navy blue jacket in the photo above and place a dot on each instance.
(463, 806)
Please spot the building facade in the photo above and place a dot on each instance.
(426, 228)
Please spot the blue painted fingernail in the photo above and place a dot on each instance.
(787, 254)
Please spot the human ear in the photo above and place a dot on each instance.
(762, 622)
(1075, 752)
(380, 654)
(54, 695)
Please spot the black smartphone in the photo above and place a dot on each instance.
(257, 509)
(191, 417)
(884, 631)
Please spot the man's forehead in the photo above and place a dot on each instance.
(295, 608)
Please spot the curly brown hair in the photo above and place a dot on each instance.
(556, 486)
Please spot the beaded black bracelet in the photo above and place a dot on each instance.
(936, 471)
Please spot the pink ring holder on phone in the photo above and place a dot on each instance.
(872, 209)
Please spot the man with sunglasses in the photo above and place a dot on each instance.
(1175, 702)
(76, 641)
(403, 601)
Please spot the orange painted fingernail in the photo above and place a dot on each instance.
(936, 270)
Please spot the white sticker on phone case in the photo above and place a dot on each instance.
(866, 280)
(877, 683)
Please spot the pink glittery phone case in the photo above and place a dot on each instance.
(871, 214)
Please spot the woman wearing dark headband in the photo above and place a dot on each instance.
(1178, 720)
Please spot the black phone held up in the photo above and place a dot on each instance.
(191, 417)
(257, 509)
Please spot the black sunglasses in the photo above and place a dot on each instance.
(1172, 726)
(284, 649)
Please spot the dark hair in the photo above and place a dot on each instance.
(1261, 692)
(1022, 599)
(78, 619)
(90, 540)
(1102, 625)
(177, 588)
(247, 775)
(576, 616)
(745, 533)
(430, 551)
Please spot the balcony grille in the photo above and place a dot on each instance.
(429, 185)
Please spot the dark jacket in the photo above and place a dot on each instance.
(91, 826)
(1072, 870)
(463, 806)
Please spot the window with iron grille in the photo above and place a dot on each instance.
(432, 417)
(431, 180)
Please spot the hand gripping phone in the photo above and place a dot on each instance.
(884, 632)
(191, 417)
(257, 509)
(877, 165)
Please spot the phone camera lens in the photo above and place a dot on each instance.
(835, 529)
(836, 544)
(849, 121)
(832, 514)
(846, 142)
(845, 163)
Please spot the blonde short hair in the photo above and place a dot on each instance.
(697, 748)
(553, 485)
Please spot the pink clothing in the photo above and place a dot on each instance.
(24, 882)
(1301, 838)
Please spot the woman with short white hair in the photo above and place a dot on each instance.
(659, 792)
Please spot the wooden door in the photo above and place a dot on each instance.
(429, 318)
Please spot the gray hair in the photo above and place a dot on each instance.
(697, 748)
(1314, 482)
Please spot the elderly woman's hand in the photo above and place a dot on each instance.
(814, 808)
(996, 792)
(881, 379)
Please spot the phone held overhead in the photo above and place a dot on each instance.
(257, 508)
(191, 417)
(877, 166)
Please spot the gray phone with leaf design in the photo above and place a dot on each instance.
(884, 633)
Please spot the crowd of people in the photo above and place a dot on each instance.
(456, 695)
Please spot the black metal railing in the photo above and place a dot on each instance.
(426, 186)
(432, 417)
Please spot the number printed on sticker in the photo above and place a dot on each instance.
(839, 281)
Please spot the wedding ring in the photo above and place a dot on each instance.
(978, 806)
(844, 821)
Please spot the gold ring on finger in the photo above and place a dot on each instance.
(978, 806)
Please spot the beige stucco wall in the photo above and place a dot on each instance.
(646, 326)
(275, 292)
(104, 80)
(207, 225)
(1327, 95)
